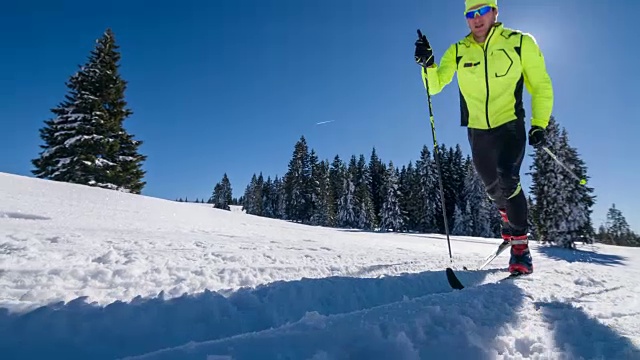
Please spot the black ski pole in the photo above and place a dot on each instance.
(436, 155)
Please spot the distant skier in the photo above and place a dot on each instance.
(493, 64)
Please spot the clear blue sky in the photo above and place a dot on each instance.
(230, 86)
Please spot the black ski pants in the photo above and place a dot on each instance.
(497, 156)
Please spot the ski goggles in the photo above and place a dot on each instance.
(471, 14)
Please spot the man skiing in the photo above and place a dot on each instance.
(493, 64)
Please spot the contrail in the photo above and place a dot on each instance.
(324, 122)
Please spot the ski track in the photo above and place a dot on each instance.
(93, 274)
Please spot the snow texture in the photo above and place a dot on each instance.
(89, 273)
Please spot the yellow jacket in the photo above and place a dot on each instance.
(491, 78)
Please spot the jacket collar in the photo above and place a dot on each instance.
(497, 27)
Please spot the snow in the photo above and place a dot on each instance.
(90, 273)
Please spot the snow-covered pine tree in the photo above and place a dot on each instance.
(531, 206)
(347, 203)
(224, 194)
(454, 188)
(253, 203)
(321, 214)
(221, 197)
(278, 198)
(478, 204)
(562, 214)
(616, 231)
(296, 184)
(428, 193)
(364, 212)
(377, 175)
(391, 216)
(248, 202)
(337, 174)
(462, 221)
(268, 196)
(409, 202)
(86, 143)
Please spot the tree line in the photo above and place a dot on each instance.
(373, 195)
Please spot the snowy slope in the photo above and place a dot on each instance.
(87, 273)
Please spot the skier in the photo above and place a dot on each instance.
(493, 64)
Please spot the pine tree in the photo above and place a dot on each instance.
(347, 217)
(86, 143)
(562, 214)
(478, 205)
(321, 214)
(268, 199)
(222, 194)
(427, 190)
(253, 203)
(337, 174)
(409, 201)
(391, 216)
(377, 173)
(462, 221)
(617, 231)
(454, 188)
(297, 182)
(363, 200)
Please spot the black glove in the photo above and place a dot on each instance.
(537, 136)
(423, 54)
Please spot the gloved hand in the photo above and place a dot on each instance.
(423, 54)
(537, 136)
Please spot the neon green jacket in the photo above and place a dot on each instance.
(491, 79)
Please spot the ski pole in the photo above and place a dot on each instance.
(554, 157)
(437, 158)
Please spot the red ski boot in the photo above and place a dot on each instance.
(520, 261)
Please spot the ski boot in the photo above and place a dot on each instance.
(520, 261)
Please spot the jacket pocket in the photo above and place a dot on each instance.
(502, 62)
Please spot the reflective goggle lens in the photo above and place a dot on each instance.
(478, 12)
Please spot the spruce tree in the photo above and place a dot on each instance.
(347, 208)
(364, 204)
(617, 231)
(297, 184)
(409, 200)
(427, 191)
(253, 203)
(478, 204)
(278, 198)
(321, 213)
(337, 174)
(462, 220)
(377, 173)
(222, 194)
(391, 216)
(563, 206)
(454, 187)
(86, 143)
(268, 199)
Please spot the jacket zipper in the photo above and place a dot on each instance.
(486, 76)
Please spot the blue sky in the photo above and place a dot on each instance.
(230, 86)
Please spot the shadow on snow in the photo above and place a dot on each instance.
(79, 330)
(577, 255)
(584, 337)
(463, 324)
